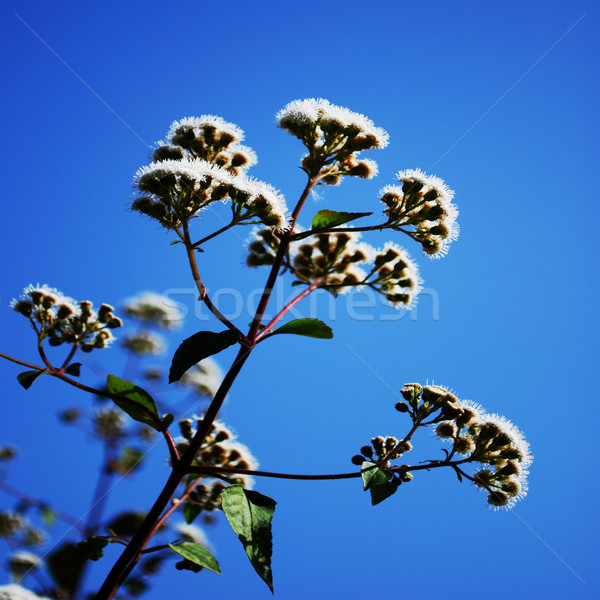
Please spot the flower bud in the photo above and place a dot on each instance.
(367, 451)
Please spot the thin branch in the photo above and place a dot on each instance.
(37, 503)
(203, 296)
(314, 285)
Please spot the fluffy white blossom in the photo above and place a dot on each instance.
(203, 121)
(325, 114)
(144, 343)
(155, 309)
(16, 592)
(204, 378)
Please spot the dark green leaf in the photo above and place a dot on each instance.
(250, 514)
(330, 218)
(74, 369)
(126, 523)
(198, 555)
(197, 347)
(135, 586)
(378, 482)
(65, 567)
(308, 327)
(166, 420)
(190, 512)
(380, 492)
(92, 548)
(135, 401)
(26, 378)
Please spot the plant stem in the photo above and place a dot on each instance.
(133, 552)
(353, 475)
(287, 307)
(203, 296)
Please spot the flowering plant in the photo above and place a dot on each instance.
(202, 163)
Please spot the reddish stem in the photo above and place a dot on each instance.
(286, 308)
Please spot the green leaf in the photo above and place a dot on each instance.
(74, 369)
(175, 242)
(197, 347)
(190, 512)
(250, 514)
(135, 401)
(198, 555)
(26, 378)
(309, 327)
(65, 566)
(92, 548)
(47, 515)
(378, 482)
(330, 218)
(380, 492)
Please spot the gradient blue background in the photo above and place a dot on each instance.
(500, 100)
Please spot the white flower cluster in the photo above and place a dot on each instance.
(155, 309)
(423, 202)
(492, 440)
(64, 320)
(342, 261)
(204, 378)
(16, 592)
(198, 125)
(321, 113)
(181, 188)
(334, 137)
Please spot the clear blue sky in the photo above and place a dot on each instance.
(497, 98)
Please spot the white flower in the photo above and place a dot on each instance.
(212, 121)
(265, 201)
(205, 377)
(150, 307)
(410, 273)
(16, 592)
(144, 343)
(46, 290)
(443, 199)
(516, 436)
(321, 112)
(194, 169)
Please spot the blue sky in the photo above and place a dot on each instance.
(500, 100)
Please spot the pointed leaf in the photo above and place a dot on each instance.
(175, 242)
(377, 481)
(92, 548)
(197, 347)
(26, 378)
(190, 512)
(380, 492)
(330, 218)
(197, 554)
(308, 327)
(74, 369)
(135, 401)
(250, 514)
(372, 475)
